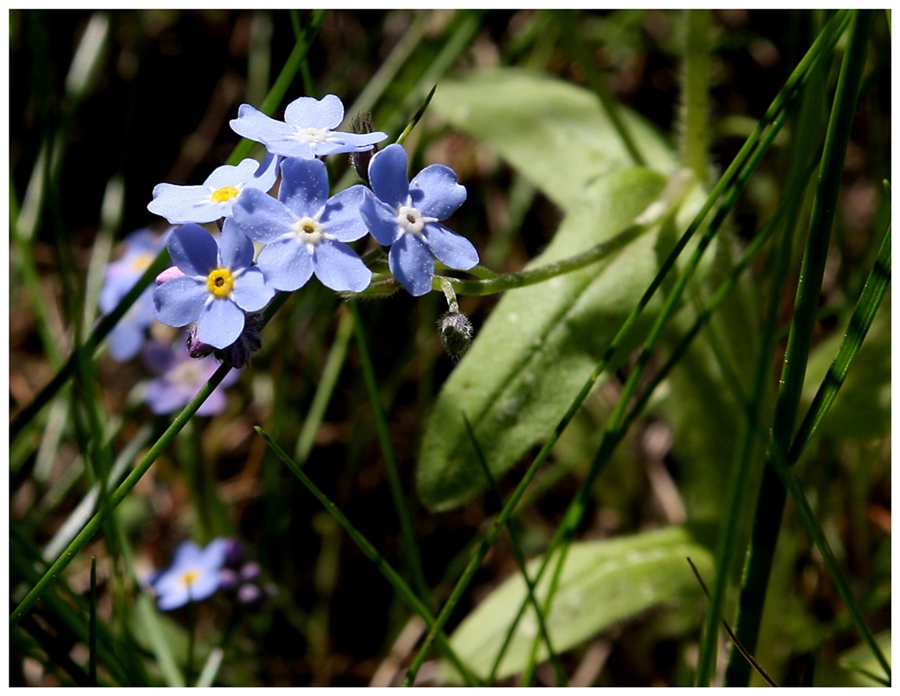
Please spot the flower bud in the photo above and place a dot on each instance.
(361, 124)
(456, 333)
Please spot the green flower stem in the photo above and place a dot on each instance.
(372, 554)
(117, 496)
(407, 528)
(100, 332)
(695, 93)
(770, 503)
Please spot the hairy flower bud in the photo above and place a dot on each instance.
(362, 124)
(456, 333)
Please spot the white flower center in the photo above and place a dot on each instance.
(186, 373)
(308, 231)
(311, 135)
(411, 220)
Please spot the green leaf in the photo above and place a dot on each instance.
(602, 583)
(555, 133)
(539, 345)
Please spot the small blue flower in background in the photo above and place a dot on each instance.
(406, 217)
(127, 337)
(215, 197)
(193, 575)
(307, 130)
(180, 377)
(305, 231)
(219, 283)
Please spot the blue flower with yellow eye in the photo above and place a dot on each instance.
(220, 283)
(406, 216)
(307, 130)
(193, 575)
(214, 198)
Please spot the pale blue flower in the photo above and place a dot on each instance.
(305, 231)
(193, 575)
(213, 200)
(307, 130)
(127, 337)
(406, 217)
(219, 283)
(180, 377)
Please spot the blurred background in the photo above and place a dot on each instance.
(155, 107)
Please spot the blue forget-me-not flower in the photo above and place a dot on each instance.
(304, 230)
(215, 197)
(179, 377)
(405, 216)
(193, 575)
(127, 337)
(307, 130)
(219, 283)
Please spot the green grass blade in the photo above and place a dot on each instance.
(404, 514)
(770, 503)
(543, 634)
(371, 553)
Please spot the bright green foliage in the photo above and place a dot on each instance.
(602, 582)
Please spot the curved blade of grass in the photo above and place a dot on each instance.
(371, 553)
(92, 626)
(210, 668)
(869, 302)
(407, 528)
(520, 561)
(770, 503)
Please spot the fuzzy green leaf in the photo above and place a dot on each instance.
(555, 133)
(539, 345)
(602, 583)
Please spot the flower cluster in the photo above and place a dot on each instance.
(198, 573)
(276, 242)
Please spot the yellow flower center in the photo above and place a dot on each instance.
(220, 282)
(141, 261)
(226, 193)
(189, 577)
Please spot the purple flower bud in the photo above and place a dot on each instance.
(229, 580)
(249, 593)
(250, 572)
(170, 273)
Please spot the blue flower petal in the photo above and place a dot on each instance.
(307, 112)
(182, 204)
(286, 263)
(180, 301)
(412, 264)
(231, 175)
(349, 142)
(255, 125)
(338, 267)
(220, 323)
(387, 175)
(436, 193)
(304, 186)
(193, 250)
(266, 173)
(235, 248)
(261, 217)
(251, 291)
(342, 219)
(162, 398)
(380, 220)
(451, 249)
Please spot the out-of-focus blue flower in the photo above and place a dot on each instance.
(219, 283)
(127, 337)
(305, 231)
(180, 377)
(307, 130)
(406, 217)
(214, 199)
(193, 575)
